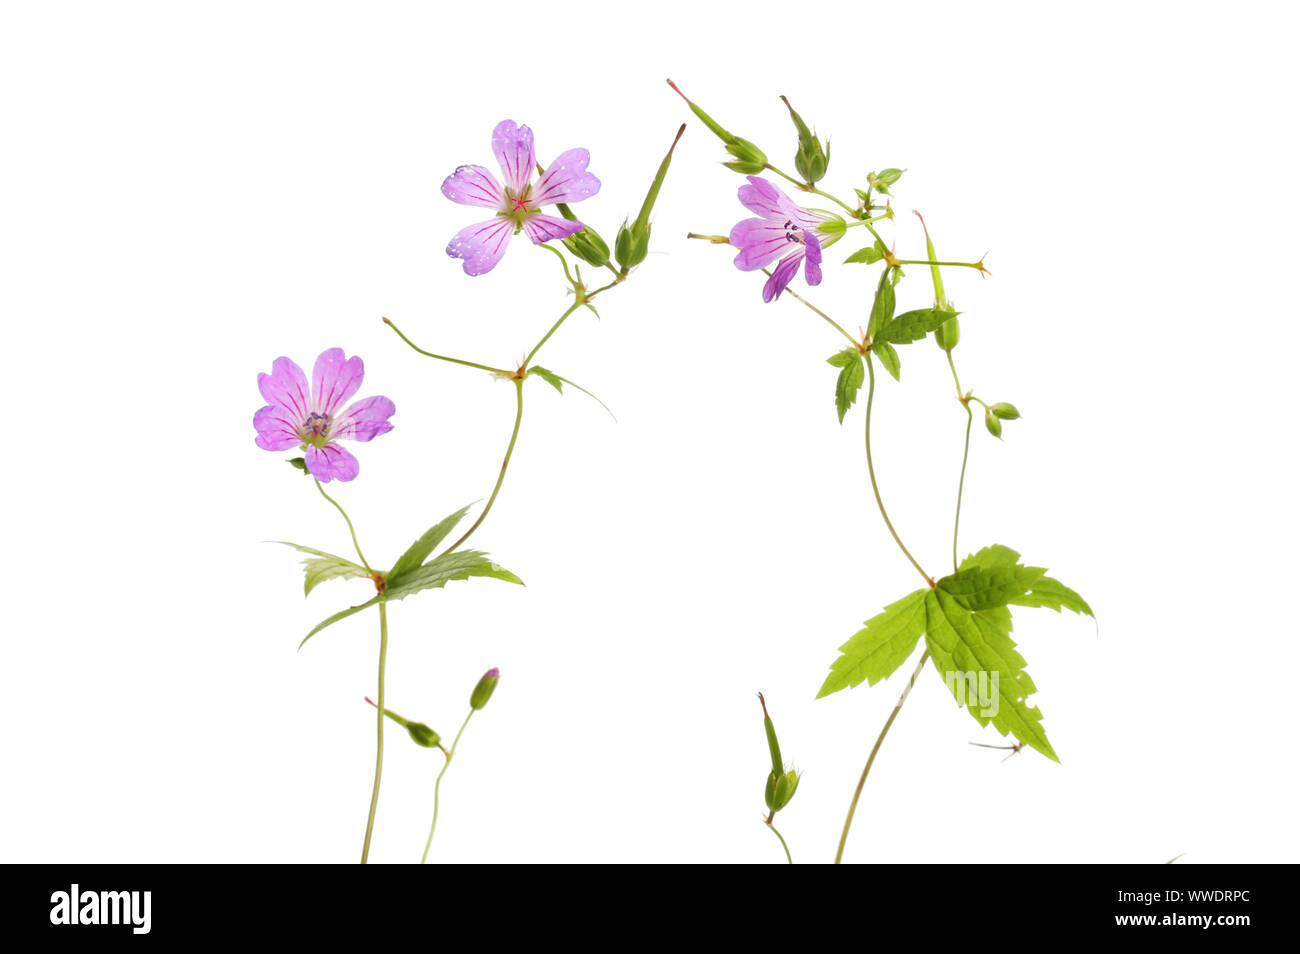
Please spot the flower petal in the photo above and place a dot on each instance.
(330, 462)
(286, 387)
(513, 147)
(474, 185)
(546, 228)
(334, 380)
(482, 245)
(812, 267)
(763, 198)
(782, 274)
(566, 180)
(760, 241)
(277, 428)
(365, 420)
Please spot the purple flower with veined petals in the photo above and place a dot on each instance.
(785, 229)
(310, 418)
(517, 203)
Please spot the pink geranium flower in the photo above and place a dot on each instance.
(785, 229)
(309, 419)
(518, 202)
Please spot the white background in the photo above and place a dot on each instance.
(191, 190)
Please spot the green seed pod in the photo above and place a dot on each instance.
(769, 792)
(483, 691)
(948, 334)
(421, 734)
(812, 157)
(632, 245)
(785, 788)
(1005, 411)
(993, 424)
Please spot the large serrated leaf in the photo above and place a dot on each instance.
(962, 642)
(325, 566)
(874, 652)
(459, 565)
(344, 614)
(990, 557)
(913, 325)
(421, 548)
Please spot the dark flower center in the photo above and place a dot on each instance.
(793, 233)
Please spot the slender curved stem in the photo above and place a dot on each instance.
(510, 449)
(554, 328)
(857, 793)
(768, 821)
(807, 304)
(438, 784)
(379, 748)
(351, 529)
(871, 470)
(443, 357)
(961, 484)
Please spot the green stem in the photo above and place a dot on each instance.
(806, 187)
(768, 822)
(438, 784)
(554, 328)
(443, 357)
(351, 529)
(857, 793)
(379, 749)
(965, 454)
(979, 266)
(808, 304)
(510, 449)
(871, 470)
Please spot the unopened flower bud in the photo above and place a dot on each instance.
(1005, 411)
(750, 160)
(993, 424)
(420, 733)
(812, 157)
(483, 691)
(587, 243)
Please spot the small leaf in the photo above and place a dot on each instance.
(914, 325)
(842, 359)
(991, 557)
(870, 255)
(336, 617)
(882, 309)
(962, 642)
(1054, 595)
(458, 565)
(888, 357)
(554, 380)
(421, 548)
(325, 566)
(873, 653)
(851, 377)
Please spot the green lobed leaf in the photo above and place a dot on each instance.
(888, 357)
(874, 652)
(458, 565)
(1045, 591)
(842, 359)
(882, 308)
(870, 255)
(852, 375)
(325, 566)
(418, 551)
(978, 587)
(914, 325)
(961, 641)
(344, 614)
(1054, 595)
